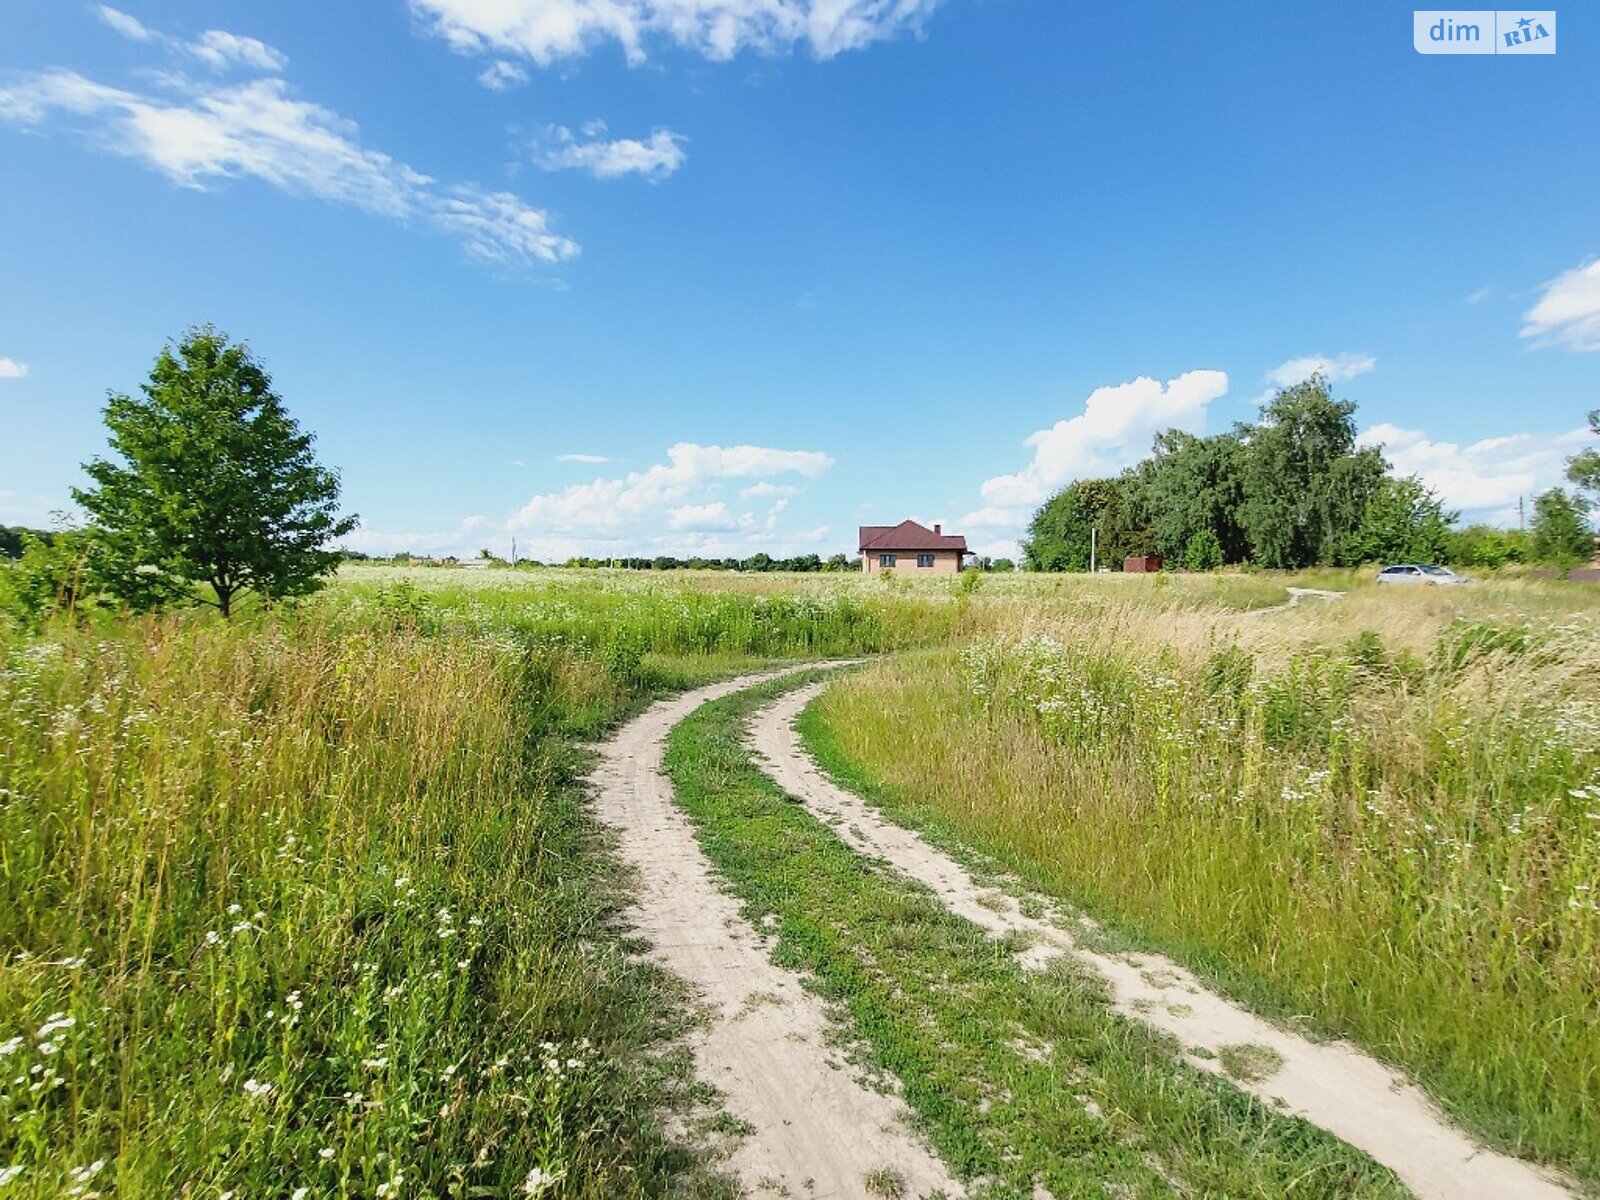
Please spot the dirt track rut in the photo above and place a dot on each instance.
(816, 1129)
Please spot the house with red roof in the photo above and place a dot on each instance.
(912, 548)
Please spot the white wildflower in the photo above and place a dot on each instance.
(257, 1090)
(57, 1022)
(84, 1174)
(539, 1181)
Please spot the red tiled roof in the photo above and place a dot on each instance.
(908, 535)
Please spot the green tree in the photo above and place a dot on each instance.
(1191, 485)
(1062, 533)
(1404, 521)
(1561, 535)
(1306, 484)
(217, 485)
(1583, 468)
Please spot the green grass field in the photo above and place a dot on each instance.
(310, 900)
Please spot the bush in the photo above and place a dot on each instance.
(1204, 552)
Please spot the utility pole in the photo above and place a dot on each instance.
(1094, 547)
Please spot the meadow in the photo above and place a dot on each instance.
(1376, 818)
(307, 903)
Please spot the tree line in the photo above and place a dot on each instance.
(1292, 490)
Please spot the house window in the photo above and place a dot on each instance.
(924, 560)
(886, 560)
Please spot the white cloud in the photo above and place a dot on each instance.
(1334, 369)
(610, 506)
(1114, 430)
(705, 518)
(502, 75)
(582, 458)
(670, 508)
(1483, 479)
(10, 368)
(1568, 312)
(258, 129)
(220, 50)
(1479, 296)
(217, 48)
(655, 158)
(128, 26)
(547, 30)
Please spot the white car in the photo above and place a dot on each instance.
(1420, 573)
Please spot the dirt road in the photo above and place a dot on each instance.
(815, 1129)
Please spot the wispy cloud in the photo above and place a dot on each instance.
(128, 26)
(654, 158)
(1479, 296)
(547, 30)
(582, 458)
(10, 368)
(216, 48)
(197, 134)
(1568, 311)
(1334, 368)
(502, 75)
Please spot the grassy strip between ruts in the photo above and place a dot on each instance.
(1019, 1079)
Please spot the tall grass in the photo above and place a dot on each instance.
(1393, 831)
(626, 616)
(298, 907)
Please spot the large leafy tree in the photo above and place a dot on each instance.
(1192, 489)
(216, 486)
(1306, 483)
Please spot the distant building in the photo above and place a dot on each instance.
(1142, 563)
(912, 548)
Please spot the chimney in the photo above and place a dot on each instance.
(938, 528)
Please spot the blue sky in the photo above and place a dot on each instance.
(787, 266)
